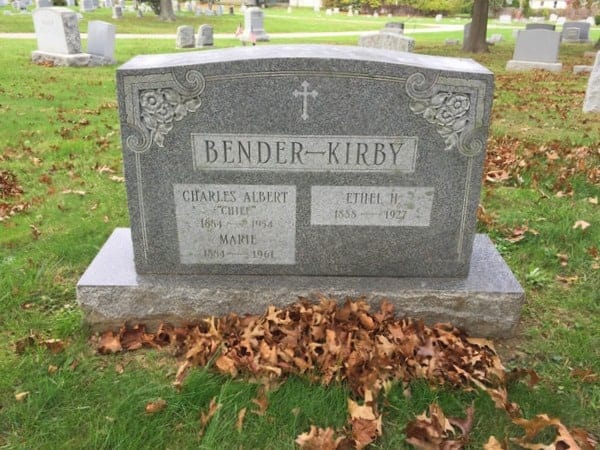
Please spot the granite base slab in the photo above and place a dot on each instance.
(582, 69)
(521, 66)
(72, 60)
(486, 303)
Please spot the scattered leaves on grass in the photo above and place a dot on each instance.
(564, 439)
(585, 375)
(9, 185)
(436, 431)
(155, 406)
(327, 342)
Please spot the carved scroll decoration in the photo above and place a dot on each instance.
(155, 102)
(450, 109)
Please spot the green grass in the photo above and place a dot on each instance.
(59, 134)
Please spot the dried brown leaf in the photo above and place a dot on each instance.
(240, 420)
(21, 396)
(319, 439)
(109, 343)
(155, 406)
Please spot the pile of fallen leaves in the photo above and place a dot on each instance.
(330, 343)
(9, 188)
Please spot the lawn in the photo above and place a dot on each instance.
(62, 194)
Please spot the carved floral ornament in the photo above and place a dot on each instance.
(448, 110)
(160, 103)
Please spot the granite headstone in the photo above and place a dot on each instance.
(540, 26)
(254, 29)
(394, 27)
(205, 36)
(536, 49)
(348, 171)
(386, 40)
(591, 103)
(117, 12)
(582, 35)
(185, 37)
(57, 30)
(101, 39)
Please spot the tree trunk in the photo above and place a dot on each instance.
(166, 11)
(475, 42)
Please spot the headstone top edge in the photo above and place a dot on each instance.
(304, 51)
(56, 9)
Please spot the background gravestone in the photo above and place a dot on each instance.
(57, 30)
(540, 26)
(117, 12)
(205, 36)
(254, 25)
(569, 34)
(592, 94)
(536, 49)
(388, 41)
(185, 37)
(394, 27)
(237, 202)
(101, 40)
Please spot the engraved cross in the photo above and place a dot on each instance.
(305, 94)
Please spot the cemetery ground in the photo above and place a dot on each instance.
(62, 194)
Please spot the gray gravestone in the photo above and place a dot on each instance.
(582, 35)
(43, 3)
(253, 25)
(86, 5)
(205, 36)
(466, 31)
(70, 3)
(394, 27)
(117, 12)
(57, 31)
(388, 41)
(185, 37)
(349, 171)
(540, 26)
(101, 40)
(536, 49)
(592, 94)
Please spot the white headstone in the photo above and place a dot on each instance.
(57, 30)
(592, 94)
(553, 17)
(101, 39)
(108, 3)
(560, 21)
(220, 10)
(328, 12)
(185, 37)
(43, 3)
(591, 21)
(438, 17)
(505, 18)
(70, 3)
(253, 25)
